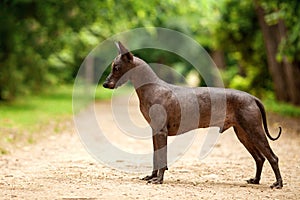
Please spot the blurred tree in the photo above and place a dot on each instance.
(44, 42)
(238, 36)
(279, 22)
(260, 39)
(31, 31)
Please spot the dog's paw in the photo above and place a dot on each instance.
(148, 178)
(253, 181)
(156, 180)
(277, 185)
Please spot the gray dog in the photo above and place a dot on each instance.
(171, 110)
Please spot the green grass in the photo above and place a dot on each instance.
(32, 110)
(24, 118)
(281, 108)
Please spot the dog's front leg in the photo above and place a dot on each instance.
(159, 157)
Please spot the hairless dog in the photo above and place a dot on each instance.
(171, 110)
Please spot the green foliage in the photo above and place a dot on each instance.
(289, 12)
(44, 42)
(282, 108)
(239, 36)
(31, 32)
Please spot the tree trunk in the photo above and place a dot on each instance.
(292, 74)
(271, 43)
(219, 58)
(285, 74)
(296, 80)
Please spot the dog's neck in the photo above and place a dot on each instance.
(142, 74)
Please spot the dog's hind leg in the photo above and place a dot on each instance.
(255, 153)
(263, 145)
(254, 131)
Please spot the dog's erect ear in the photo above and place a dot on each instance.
(124, 52)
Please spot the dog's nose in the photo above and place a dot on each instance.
(109, 85)
(105, 84)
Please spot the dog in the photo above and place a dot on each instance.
(171, 110)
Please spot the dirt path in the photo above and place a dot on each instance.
(60, 168)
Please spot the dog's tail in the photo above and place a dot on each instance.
(264, 118)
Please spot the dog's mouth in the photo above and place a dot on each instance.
(109, 85)
(112, 84)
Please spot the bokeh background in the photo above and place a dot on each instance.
(254, 43)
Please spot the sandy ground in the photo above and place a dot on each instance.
(59, 167)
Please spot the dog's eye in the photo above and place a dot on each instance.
(116, 68)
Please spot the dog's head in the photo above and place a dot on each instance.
(120, 66)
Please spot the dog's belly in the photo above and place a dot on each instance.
(178, 125)
(174, 128)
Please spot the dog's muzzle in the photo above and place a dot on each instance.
(109, 85)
